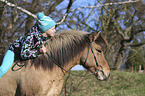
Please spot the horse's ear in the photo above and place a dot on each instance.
(93, 36)
(98, 38)
(101, 41)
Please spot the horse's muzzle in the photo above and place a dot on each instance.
(102, 76)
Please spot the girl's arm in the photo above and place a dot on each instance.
(29, 49)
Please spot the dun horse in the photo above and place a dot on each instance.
(43, 76)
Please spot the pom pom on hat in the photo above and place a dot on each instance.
(40, 16)
(45, 22)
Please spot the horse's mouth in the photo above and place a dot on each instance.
(101, 76)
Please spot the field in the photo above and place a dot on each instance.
(120, 84)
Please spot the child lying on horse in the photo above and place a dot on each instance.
(30, 45)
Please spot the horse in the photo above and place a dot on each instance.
(43, 76)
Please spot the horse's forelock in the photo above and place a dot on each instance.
(101, 41)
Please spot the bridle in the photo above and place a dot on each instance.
(97, 65)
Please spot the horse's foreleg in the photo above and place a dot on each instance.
(54, 89)
(7, 87)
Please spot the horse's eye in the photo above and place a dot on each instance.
(99, 51)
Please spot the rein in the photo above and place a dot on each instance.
(64, 69)
(90, 46)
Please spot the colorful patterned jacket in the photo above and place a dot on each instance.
(28, 46)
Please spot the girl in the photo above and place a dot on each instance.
(30, 45)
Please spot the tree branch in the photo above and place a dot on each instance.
(51, 9)
(66, 14)
(70, 3)
(106, 4)
(20, 8)
(137, 45)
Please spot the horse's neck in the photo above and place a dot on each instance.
(72, 63)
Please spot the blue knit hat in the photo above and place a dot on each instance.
(45, 22)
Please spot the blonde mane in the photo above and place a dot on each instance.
(64, 39)
(63, 48)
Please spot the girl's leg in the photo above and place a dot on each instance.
(7, 62)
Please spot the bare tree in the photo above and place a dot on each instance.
(120, 22)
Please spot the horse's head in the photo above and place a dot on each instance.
(71, 47)
(93, 58)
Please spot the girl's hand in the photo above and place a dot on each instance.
(43, 49)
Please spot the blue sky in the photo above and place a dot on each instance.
(78, 67)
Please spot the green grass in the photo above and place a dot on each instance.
(120, 84)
